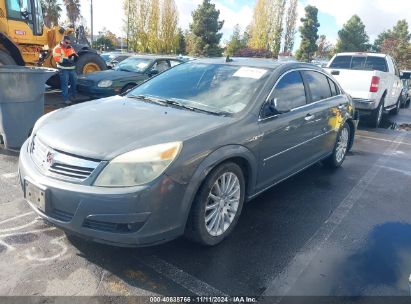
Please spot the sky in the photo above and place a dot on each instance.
(377, 15)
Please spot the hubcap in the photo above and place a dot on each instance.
(342, 145)
(222, 204)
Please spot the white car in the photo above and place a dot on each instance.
(372, 80)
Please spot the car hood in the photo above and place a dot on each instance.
(106, 128)
(108, 75)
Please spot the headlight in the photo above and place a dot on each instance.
(105, 84)
(138, 167)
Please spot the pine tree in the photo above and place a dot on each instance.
(236, 41)
(205, 30)
(352, 37)
(309, 34)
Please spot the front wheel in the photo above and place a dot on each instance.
(336, 159)
(217, 206)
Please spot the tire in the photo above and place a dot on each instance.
(336, 159)
(90, 58)
(376, 115)
(197, 230)
(127, 88)
(396, 110)
(6, 59)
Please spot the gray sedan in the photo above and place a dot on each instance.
(181, 153)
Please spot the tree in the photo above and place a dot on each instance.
(309, 34)
(73, 10)
(267, 25)
(169, 34)
(104, 43)
(379, 41)
(137, 24)
(352, 37)
(236, 42)
(290, 26)
(182, 44)
(205, 30)
(325, 49)
(51, 11)
(153, 43)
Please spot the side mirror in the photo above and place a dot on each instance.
(280, 107)
(153, 72)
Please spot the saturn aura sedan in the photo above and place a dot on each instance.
(181, 153)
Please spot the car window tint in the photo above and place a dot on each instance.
(318, 83)
(290, 91)
(341, 62)
(376, 63)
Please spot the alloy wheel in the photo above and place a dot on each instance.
(222, 204)
(342, 145)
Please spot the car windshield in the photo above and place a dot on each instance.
(106, 57)
(134, 64)
(218, 87)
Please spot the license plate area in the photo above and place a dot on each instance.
(35, 196)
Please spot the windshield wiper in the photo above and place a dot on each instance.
(176, 103)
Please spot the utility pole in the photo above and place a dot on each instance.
(91, 13)
(128, 26)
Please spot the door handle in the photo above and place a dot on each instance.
(309, 117)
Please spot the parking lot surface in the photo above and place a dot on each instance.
(322, 232)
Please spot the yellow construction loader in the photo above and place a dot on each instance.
(25, 40)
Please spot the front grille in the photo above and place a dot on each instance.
(59, 164)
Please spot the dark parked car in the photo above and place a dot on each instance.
(124, 76)
(114, 58)
(182, 152)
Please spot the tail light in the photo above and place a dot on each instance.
(375, 82)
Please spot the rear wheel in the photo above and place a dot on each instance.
(376, 115)
(6, 59)
(217, 206)
(336, 159)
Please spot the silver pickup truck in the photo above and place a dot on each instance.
(373, 81)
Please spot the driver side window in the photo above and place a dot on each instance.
(289, 93)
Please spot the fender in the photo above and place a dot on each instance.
(82, 49)
(210, 162)
(12, 49)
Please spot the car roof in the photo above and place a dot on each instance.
(256, 62)
(361, 54)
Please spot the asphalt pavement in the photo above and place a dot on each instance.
(344, 232)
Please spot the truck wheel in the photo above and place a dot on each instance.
(90, 63)
(396, 110)
(376, 115)
(6, 59)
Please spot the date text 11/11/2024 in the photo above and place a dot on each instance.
(203, 299)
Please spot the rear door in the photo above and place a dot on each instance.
(325, 106)
(283, 149)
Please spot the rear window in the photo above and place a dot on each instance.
(364, 63)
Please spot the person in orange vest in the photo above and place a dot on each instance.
(66, 57)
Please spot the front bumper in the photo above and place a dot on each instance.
(96, 92)
(138, 216)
